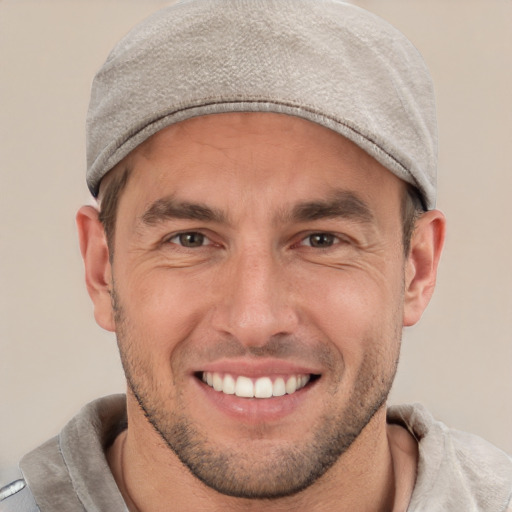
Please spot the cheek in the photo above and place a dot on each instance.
(161, 310)
(357, 310)
(158, 315)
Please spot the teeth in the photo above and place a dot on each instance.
(217, 382)
(279, 388)
(291, 385)
(263, 388)
(258, 388)
(244, 387)
(229, 385)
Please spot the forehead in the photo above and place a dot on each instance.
(209, 158)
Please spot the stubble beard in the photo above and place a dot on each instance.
(270, 470)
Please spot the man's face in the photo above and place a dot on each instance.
(258, 253)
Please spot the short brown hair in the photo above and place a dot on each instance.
(110, 192)
(412, 208)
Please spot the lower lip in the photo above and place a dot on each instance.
(256, 410)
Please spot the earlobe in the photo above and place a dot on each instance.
(98, 272)
(422, 263)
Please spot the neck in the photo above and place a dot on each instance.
(376, 474)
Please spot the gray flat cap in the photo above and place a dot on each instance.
(323, 60)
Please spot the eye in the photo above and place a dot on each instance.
(320, 240)
(190, 239)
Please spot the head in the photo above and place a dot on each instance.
(258, 254)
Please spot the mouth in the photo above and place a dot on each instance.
(261, 387)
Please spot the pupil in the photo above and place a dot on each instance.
(191, 239)
(321, 240)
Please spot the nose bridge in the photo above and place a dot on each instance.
(257, 303)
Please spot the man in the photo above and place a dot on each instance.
(265, 173)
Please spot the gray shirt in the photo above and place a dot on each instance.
(457, 472)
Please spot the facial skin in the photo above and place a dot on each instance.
(259, 245)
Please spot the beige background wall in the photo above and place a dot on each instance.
(53, 358)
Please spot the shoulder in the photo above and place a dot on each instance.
(456, 470)
(16, 497)
(70, 472)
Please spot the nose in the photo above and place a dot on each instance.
(256, 300)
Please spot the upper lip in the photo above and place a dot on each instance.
(257, 367)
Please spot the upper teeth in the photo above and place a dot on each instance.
(262, 387)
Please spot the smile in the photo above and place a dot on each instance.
(262, 387)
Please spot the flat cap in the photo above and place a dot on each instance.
(326, 61)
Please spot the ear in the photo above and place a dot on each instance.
(98, 271)
(421, 265)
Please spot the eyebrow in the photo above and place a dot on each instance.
(342, 204)
(168, 208)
